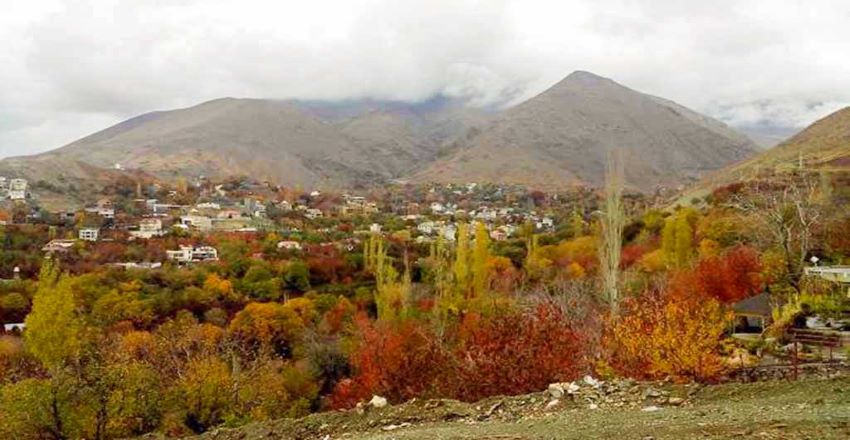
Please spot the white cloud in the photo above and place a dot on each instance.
(72, 67)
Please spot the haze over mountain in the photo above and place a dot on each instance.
(562, 137)
(556, 139)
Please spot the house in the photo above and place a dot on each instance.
(135, 265)
(312, 213)
(289, 245)
(17, 189)
(208, 205)
(14, 327)
(199, 222)
(284, 206)
(753, 314)
(58, 246)
(437, 207)
(375, 228)
(89, 234)
(228, 214)
(192, 254)
(835, 274)
(148, 228)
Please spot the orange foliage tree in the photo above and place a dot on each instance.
(663, 333)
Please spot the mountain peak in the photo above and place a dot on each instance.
(583, 75)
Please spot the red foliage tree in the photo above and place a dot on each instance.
(727, 278)
(515, 353)
(397, 360)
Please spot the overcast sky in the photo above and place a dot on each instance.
(69, 68)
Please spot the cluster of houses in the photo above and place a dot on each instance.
(13, 189)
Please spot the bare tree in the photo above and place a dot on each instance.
(613, 222)
(788, 214)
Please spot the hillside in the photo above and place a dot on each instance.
(788, 410)
(556, 139)
(824, 145)
(289, 142)
(560, 138)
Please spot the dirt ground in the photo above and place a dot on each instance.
(806, 409)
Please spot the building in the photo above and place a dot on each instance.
(835, 274)
(89, 234)
(199, 222)
(289, 245)
(15, 327)
(58, 246)
(18, 189)
(148, 228)
(313, 213)
(193, 254)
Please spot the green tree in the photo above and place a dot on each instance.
(481, 261)
(54, 328)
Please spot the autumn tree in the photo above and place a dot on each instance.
(788, 214)
(481, 261)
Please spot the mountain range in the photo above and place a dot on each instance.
(554, 140)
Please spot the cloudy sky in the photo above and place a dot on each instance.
(68, 68)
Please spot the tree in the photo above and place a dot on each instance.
(461, 264)
(54, 328)
(481, 261)
(788, 214)
(267, 326)
(613, 222)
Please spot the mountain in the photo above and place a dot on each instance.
(556, 139)
(315, 144)
(824, 145)
(561, 137)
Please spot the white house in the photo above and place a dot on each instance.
(199, 222)
(58, 245)
(192, 254)
(312, 213)
(148, 228)
(89, 234)
(18, 189)
(289, 245)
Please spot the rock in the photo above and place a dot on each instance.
(556, 390)
(675, 401)
(651, 392)
(593, 406)
(589, 380)
(552, 404)
(394, 427)
(651, 408)
(378, 402)
(572, 388)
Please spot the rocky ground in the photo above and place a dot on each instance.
(589, 409)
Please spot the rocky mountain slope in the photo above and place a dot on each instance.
(561, 137)
(554, 140)
(822, 146)
(288, 142)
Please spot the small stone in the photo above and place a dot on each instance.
(378, 402)
(552, 404)
(593, 406)
(556, 390)
(651, 408)
(675, 401)
(589, 380)
(572, 388)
